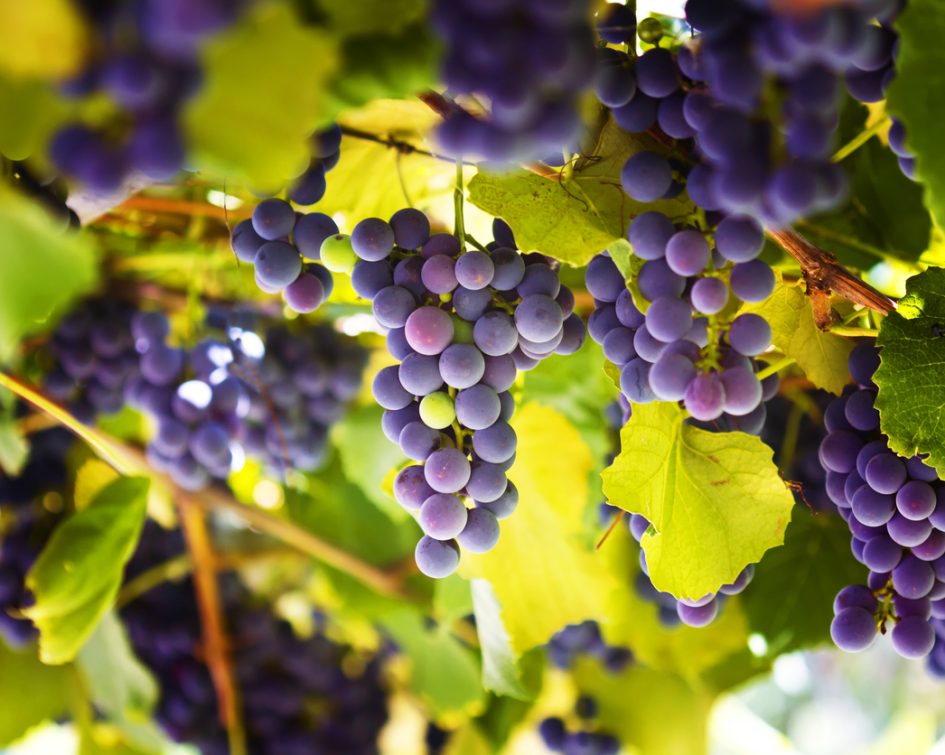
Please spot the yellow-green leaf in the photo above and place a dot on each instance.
(715, 500)
(43, 39)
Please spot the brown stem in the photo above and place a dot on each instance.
(176, 207)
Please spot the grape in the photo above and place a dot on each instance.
(538, 318)
(697, 616)
(614, 85)
(635, 381)
(668, 319)
(617, 24)
(481, 532)
(337, 253)
(646, 176)
(913, 637)
(649, 234)
(670, 375)
(709, 295)
(429, 330)
(305, 294)
(860, 412)
(436, 558)
(419, 374)
(656, 279)
(705, 397)
(863, 362)
(487, 482)
(310, 232)
(393, 306)
(906, 532)
(657, 74)
(603, 280)
(162, 365)
(495, 444)
(411, 488)
(858, 596)
(853, 629)
(508, 269)
(541, 279)
(411, 228)
(752, 281)
(618, 346)
(885, 473)
(916, 500)
(437, 410)
(438, 274)
(504, 505)
(495, 334)
(687, 253)
(749, 334)
(742, 391)
(913, 578)
(471, 305)
(441, 243)
(442, 516)
(881, 554)
(447, 470)
(637, 115)
(311, 187)
(245, 242)
(369, 278)
(461, 365)
(477, 407)
(474, 270)
(932, 548)
(387, 390)
(372, 239)
(273, 219)
(277, 264)
(418, 441)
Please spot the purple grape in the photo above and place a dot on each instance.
(310, 231)
(442, 516)
(538, 318)
(369, 278)
(509, 269)
(388, 392)
(698, 616)
(461, 365)
(495, 444)
(853, 629)
(495, 334)
(739, 239)
(477, 407)
(913, 637)
(305, 294)
(418, 441)
(752, 281)
(656, 279)
(603, 280)
(474, 270)
(428, 330)
(504, 505)
(907, 532)
(885, 473)
(420, 374)
(657, 74)
(742, 391)
(648, 234)
(670, 375)
(687, 253)
(635, 381)
(471, 305)
(273, 219)
(855, 596)
(709, 295)
(438, 274)
(411, 488)
(749, 334)
(277, 264)
(372, 239)
(411, 228)
(646, 176)
(436, 558)
(913, 578)
(447, 470)
(393, 306)
(916, 500)
(705, 397)
(481, 532)
(668, 319)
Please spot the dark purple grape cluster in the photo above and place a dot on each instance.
(895, 508)
(30, 525)
(310, 187)
(145, 59)
(584, 738)
(297, 384)
(526, 61)
(585, 639)
(300, 696)
(462, 324)
(283, 247)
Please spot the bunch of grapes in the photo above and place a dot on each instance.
(310, 187)
(897, 519)
(529, 60)
(146, 59)
(461, 323)
(585, 738)
(30, 525)
(297, 385)
(299, 695)
(585, 639)
(282, 246)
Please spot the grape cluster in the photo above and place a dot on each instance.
(146, 59)
(277, 241)
(529, 59)
(585, 639)
(461, 323)
(50, 193)
(30, 525)
(325, 146)
(584, 739)
(300, 696)
(897, 519)
(297, 385)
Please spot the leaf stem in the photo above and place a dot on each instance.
(775, 367)
(458, 200)
(841, 330)
(860, 139)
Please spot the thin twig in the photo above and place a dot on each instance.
(164, 206)
(394, 143)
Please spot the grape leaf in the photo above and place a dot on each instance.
(251, 121)
(371, 16)
(542, 572)
(31, 692)
(822, 356)
(715, 500)
(30, 31)
(920, 69)
(29, 297)
(790, 600)
(573, 218)
(38, 112)
(910, 378)
(76, 577)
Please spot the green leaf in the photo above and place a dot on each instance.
(920, 69)
(501, 672)
(790, 600)
(31, 243)
(117, 682)
(910, 377)
(38, 112)
(714, 500)
(452, 598)
(574, 218)
(542, 571)
(77, 575)
(371, 16)
(14, 448)
(822, 356)
(44, 39)
(445, 674)
(31, 692)
(263, 95)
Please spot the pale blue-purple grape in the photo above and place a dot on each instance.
(397, 344)
(749, 334)
(506, 406)
(310, 187)
(393, 422)
(932, 548)
(921, 607)
(916, 500)
(310, 231)
(697, 108)
(913, 578)
(885, 473)
(392, 307)
(411, 488)
(388, 392)
(461, 365)
(602, 279)
(602, 320)
(670, 375)
(657, 73)
(872, 508)
(638, 114)
(860, 412)
(438, 274)
(709, 295)
(648, 234)
(752, 281)
(698, 616)
(881, 554)
(618, 346)
(913, 637)
(668, 319)
(687, 253)
(188, 473)
(420, 374)
(671, 118)
(162, 365)
(305, 294)
(372, 239)
(495, 444)
(853, 629)
(906, 532)
(481, 532)
(436, 558)
(495, 333)
(859, 596)
(839, 449)
(573, 334)
(504, 505)
(834, 487)
(541, 348)
(626, 311)
(614, 84)
(441, 243)
(635, 381)
(538, 318)
(408, 274)
(245, 242)
(523, 362)
(919, 470)
(863, 362)
(486, 482)
(499, 372)
(539, 279)
(471, 305)
(477, 407)
(509, 269)
(209, 444)
(429, 330)
(369, 278)
(657, 279)
(742, 391)
(411, 228)
(646, 346)
(639, 524)
(442, 516)
(701, 186)
(474, 270)
(266, 288)
(172, 437)
(277, 264)
(418, 441)
(705, 397)
(324, 275)
(739, 238)
(646, 176)
(273, 219)
(447, 470)
(741, 581)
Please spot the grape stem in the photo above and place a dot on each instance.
(775, 367)
(860, 139)
(458, 198)
(405, 148)
(840, 330)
